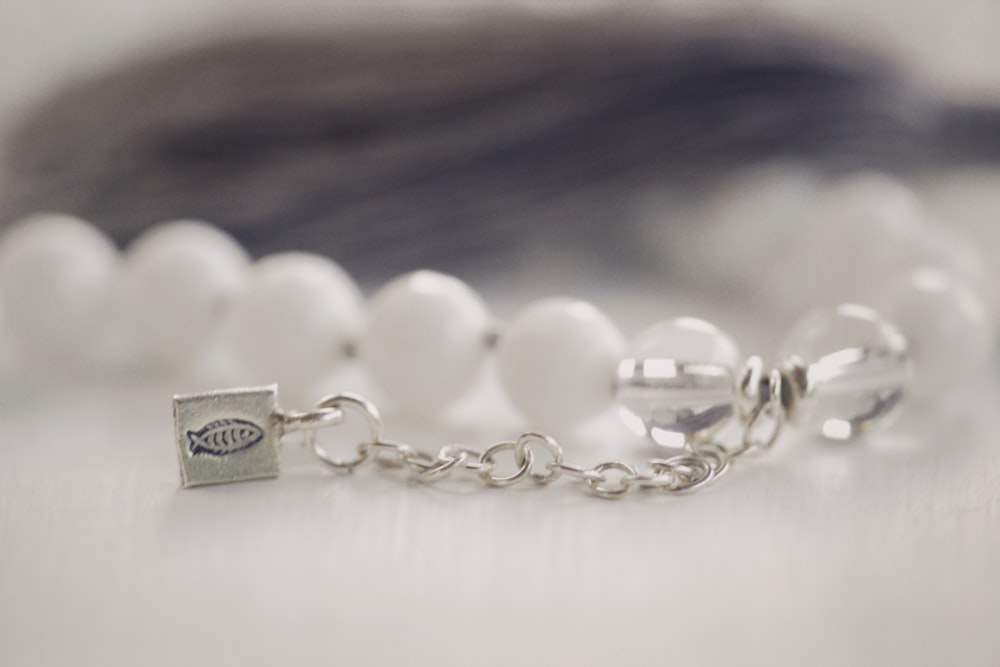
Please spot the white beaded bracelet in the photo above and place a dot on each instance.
(425, 340)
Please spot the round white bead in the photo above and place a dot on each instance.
(56, 273)
(948, 326)
(942, 246)
(863, 231)
(179, 279)
(753, 218)
(859, 232)
(295, 320)
(426, 339)
(557, 363)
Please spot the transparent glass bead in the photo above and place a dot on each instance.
(854, 370)
(676, 383)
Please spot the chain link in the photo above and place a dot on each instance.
(533, 457)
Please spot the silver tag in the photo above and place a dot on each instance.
(227, 436)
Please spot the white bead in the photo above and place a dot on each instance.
(861, 232)
(56, 273)
(296, 319)
(969, 198)
(179, 279)
(677, 381)
(940, 245)
(557, 363)
(753, 218)
(857, 370)
(948, 326)
(858, 233)
(426, 340)
(743, 225)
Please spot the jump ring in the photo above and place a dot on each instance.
(399, 454)
(717, 456)
(355, 403)
(489, 457)
(441, 467)
(473, 459)
(692, 472)
(612, 492)
(555, 452)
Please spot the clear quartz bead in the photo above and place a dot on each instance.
(677, 381)
(854, 370)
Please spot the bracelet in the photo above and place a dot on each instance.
(185, 289)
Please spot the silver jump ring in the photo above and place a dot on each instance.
(555, 452)
(397, 454)
(692, 472)
(473, 459)
(599, 486)
(441, 467)
(358, 404)
(489, 459)
(662, 481)
(717, 456)
(748, 386)
(575, 471)
(418, 459)
(772, 408)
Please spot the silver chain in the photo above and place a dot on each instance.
(537, 458)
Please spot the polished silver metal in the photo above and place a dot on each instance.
(227, 436)
(535, 456)
(602, 487)
(354, 404)
(523, 458)
(441, 467)
(750, 386)
(689, 472)
(292, 422)
(391, 454)
(551, 447)
(473, 459)
(577, 472)
(768, 399)
(716, 456)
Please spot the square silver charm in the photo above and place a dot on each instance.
(227, 436)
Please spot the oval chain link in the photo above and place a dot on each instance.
(695, 468)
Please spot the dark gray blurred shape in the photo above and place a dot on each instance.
(396, 146)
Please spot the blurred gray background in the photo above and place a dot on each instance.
(952, 47)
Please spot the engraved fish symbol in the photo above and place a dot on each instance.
(224, 436)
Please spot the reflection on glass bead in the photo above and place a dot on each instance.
(857, 370)
(676, 383)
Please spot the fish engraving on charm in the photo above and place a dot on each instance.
(227, 436)
(224, 436)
